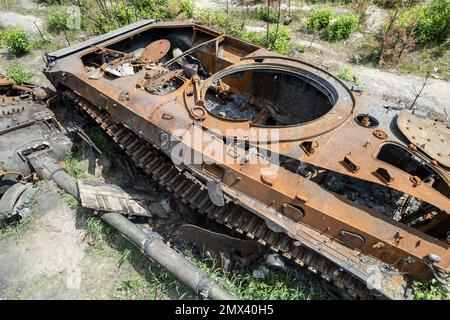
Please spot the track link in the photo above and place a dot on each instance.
(193, 193)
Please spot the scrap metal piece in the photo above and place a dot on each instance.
(83, 135)
(160, 79)
(112, 198)
(156, 249)
(5, 81)
(430, 136)
(222, 246)
(154, 51)
(122, 70)
(27, 126)
(13, 200)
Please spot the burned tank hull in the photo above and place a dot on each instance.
(31, 140)
(274, 148)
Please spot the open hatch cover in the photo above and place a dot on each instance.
(430, 136)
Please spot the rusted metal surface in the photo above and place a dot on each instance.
(154, 51)
(346, 268)
(5, 81)
(346, 184)
(222, 247)
(428, 135)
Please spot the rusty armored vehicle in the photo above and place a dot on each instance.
(276, 149)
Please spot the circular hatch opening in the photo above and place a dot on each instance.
(269, 97)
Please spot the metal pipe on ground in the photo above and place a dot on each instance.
(154, 248)
(151, 243)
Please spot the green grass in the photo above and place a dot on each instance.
(301, 48)
(157, 283)
(48, 44)
(16, 229)
(73, 166)
(277, 285)
(133, 289)
(431, 290)
(32, 203)
(71, 201)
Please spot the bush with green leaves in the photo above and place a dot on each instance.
(187, 7)
(231, 26)
(347, 74)
(125, 14)
(341, 27)
(279, 39)
(319, 19)
(432, 290)
(57, 20)
(18, 74)
(270, 16)
(164, 9)
(16, 41)
(433, 23)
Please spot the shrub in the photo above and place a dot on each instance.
(16, 72)
(319, 19)
(187, 7)
(233, 26)
(204, 16)
(347, 74)
(270, 16)
(16, 41)
(57, 20)
(152, 9)
(280, 41)
(433, 24)
(341, 27)
(301, 48)
(125, 14)
(432, 290)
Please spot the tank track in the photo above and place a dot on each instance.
(193, 192)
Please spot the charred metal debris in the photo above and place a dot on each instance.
(357, 194)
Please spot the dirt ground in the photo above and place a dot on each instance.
(53, 260)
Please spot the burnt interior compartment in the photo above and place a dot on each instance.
(269, 98)
(183, 38)
(379, 198)
(406, 161)
(165, 87)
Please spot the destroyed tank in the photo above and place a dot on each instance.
(31, 140)
(276, 149)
